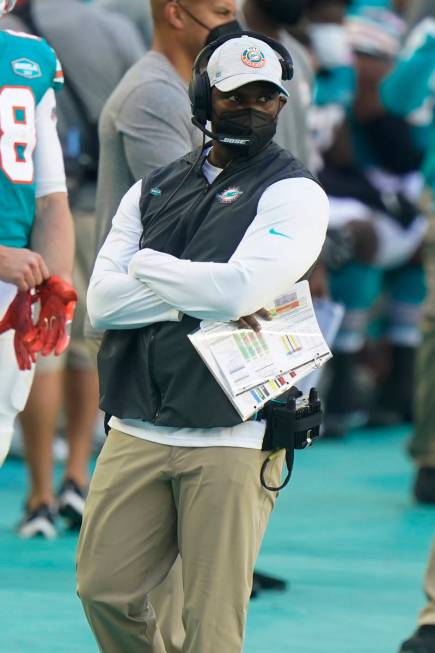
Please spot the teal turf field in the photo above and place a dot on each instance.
(345, 534)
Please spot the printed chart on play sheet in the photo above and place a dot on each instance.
(289, 341)
(255, 367)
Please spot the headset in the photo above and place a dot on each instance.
(199, 88)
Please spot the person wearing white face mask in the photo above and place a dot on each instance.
(330, 45)
(335, 81)
(273, 18)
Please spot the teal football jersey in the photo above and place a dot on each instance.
(357, 5)
(410, 88)
(28, 68)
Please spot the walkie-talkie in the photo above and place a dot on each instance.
(292, 422)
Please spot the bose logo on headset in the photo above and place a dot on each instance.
(235, 141)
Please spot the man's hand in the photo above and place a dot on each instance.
(318, 281)
(22, 267)
(251, 322)
(19, 318)
(58, 301)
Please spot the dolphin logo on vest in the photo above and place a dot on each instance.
(229, 196)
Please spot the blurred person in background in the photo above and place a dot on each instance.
(371, 176)
(409, 91)
(335, 81)
(96, 48)
(146, 122)
(334, 94)
(390, 150)
(36, 229)
(274, 19)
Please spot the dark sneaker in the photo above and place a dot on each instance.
(422, 641)
(396, 394)
(263, 582)
(71, 503)
(424, 488)
(38, 523)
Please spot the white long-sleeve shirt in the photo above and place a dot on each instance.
(48, 158)
(130, 288)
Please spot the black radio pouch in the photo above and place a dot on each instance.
(292, 422)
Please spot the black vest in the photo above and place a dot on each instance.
(154, 373)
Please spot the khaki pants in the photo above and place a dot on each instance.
(167, 599)
(422, 445)
(149, 502)
(427, 615)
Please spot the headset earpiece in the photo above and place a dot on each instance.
(200, 96)
(207, 95)
(287, 69)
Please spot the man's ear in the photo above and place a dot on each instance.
(282, 103)
(173, 15)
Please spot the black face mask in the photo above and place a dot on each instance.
(257, 127)
(233, 27)
(287, 12)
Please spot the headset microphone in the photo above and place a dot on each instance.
(222, 138)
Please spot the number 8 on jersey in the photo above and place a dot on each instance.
(28, 70)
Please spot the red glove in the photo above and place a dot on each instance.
(19, 317)
(58, 301)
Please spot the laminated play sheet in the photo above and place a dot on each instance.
(253, 368)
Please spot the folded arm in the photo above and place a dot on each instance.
(116, 300)
(279, 247)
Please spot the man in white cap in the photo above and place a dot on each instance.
(222, 232)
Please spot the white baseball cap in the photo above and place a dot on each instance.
(244, 60)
